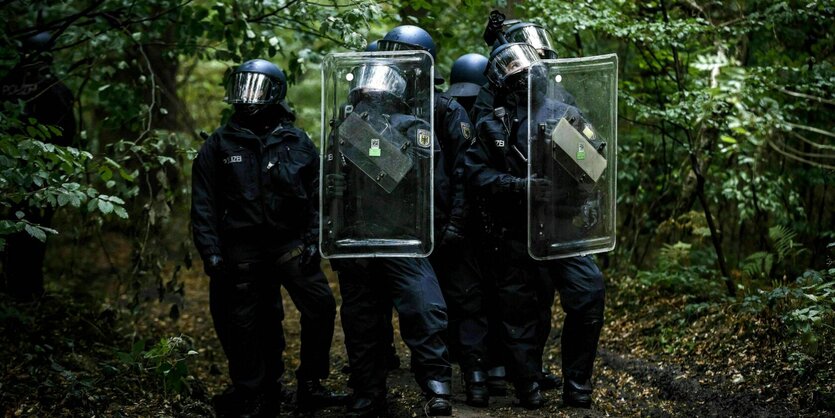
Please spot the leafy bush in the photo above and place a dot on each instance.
(36, 175)
(682, 269)
(805, 308)
(167, 360)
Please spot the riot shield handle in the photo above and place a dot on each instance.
(337, 205)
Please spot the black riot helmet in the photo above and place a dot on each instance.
(408, 37)
(256, 82)
(38, 42)
(535, 35)
(509, 64)
(467, 75)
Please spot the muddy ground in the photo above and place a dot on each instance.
(62, 360)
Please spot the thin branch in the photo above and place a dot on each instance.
(70, 21)
(273, 13)
(812, 129)
(649, 125)
(806, 96)
(802, 160)
(810, 142)
(312, 31)
(806, 154)
(62, 22)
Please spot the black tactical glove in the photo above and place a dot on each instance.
(335, 184)
(309, 259)
(541, 189)
(453, 235)
(214, 265)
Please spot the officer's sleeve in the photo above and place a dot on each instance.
(480, 165)
(310, 180)
(204, 200)
(462, 134)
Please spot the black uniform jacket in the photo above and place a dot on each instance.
(455, 133)
(243, 182)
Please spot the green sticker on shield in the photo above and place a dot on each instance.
(581, 152)
(374, 151)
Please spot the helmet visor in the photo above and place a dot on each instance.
(378, 77)
(535, 36)
(514, 59)
(387, 45)
(249, 88)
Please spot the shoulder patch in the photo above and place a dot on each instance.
(466, 130)
(424, 138)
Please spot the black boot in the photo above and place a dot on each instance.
(496, 384)
(236, 402)
(476, 386)
(577, 394)
(548, 381)
(366, 407)
(312, 395)
(529, 395)
(438, 395)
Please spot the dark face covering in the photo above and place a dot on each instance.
(260, 119)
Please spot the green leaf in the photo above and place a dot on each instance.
(36, 232)
(120, 212)
(104, 206)
(728, 139)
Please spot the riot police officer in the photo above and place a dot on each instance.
(255, 222)
(470, 290)
(496, 168)
(369, 208)
(453, 261)
(513, 30)
(49, 101)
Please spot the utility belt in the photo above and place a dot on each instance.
(262, 266)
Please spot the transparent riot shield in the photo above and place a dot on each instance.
(572, 156)
(377, 155)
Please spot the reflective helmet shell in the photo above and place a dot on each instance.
(519, 32)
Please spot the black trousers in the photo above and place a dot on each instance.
(23, 258)
(525, 291)
(247, 311)
(369, 287)
(467, 296)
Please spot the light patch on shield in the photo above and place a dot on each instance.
(558, 78)
(588, 132)
(424, 138)
(349, 76)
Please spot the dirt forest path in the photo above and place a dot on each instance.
(625, 385)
